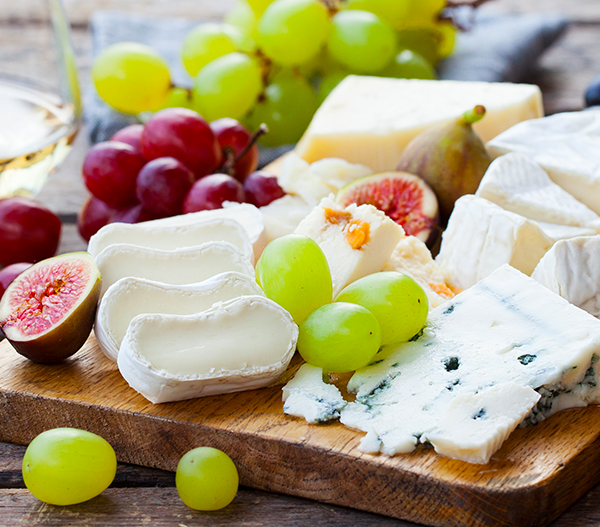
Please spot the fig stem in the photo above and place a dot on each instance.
(474, 115)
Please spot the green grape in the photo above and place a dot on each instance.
(204, 44)
(206, 479)
(361, 41)
(397, 301)
(425, 41)
(291, 32)
(408, 65)
(339, 337)
(293, 272)
(64, 466)
(329, 82)
(393, 12)
(178, 98)
(287, 108)
(243, 17)
(422, 13)
(448, 38)
(227, 87)
(259, 6)
(132, 78)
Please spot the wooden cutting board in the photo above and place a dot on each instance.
(537, 474)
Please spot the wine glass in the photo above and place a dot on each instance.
(40, 103)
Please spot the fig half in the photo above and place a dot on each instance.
(405, 198)
(48, 311)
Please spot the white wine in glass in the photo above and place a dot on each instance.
(40, 104)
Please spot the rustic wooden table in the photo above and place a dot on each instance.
(146, 496)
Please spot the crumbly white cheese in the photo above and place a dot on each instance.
(481, 237)
(571, 268)
(309, 397)
(356, 240)
(370, 120)
(520, 185)
(283, 215)
(566, 145)
(470, 378)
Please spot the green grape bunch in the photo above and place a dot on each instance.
(275, 61)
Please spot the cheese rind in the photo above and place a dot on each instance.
(481, 237)
(506, 330)
(370, 120)
(566, 146)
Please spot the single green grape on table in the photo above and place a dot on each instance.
(361, 41)
(397, 301)
(294, 273)
(206, 479)
(64, 466)
(291, 32)
(339, 337)
(227, 87)
(131, 77)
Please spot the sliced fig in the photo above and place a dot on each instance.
(405, 198)
(48, 311)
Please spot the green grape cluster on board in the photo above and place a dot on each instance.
(275, 61)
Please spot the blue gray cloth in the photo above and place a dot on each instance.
(497, 48)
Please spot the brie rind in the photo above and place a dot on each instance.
(566, 145)
(563, 232)
(308, 396)
(130, 296)
(571, 269)
(170, 237)
(520, 185)
(242, 344)
(453, 385)
(178, 267)
(246, 214)
(482, 236)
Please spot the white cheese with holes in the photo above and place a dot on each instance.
(170, 237)
(177, 267)
(130, 296)
(520, 185)
(571, 268)
(481, 237)
(370, 120)
(502, 350)
(566, 145)
(242, 344)
(308, 396)
(356, 240)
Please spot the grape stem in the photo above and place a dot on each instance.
(231, 159)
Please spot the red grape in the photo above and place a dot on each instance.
(130, 135)
(9, 273)
(232, 134)
(135, 214)
(211, 191)
(162, 186)
(262, 188)
(29, 232)
(109, 172)
(94, 215)
(184, 135)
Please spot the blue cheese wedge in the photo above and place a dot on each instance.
(131, 296)
(308, 396)
(566, 145)
(571, 269)
(356, 240)
(482, 236)
(503, 352)
(242, 344)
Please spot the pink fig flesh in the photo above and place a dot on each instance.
(405, 198)
(48, 311)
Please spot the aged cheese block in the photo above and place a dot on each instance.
(370, 120)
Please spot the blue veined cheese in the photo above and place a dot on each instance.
(571, 269)
(482, 236)
(309, 397)
(507, 334)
